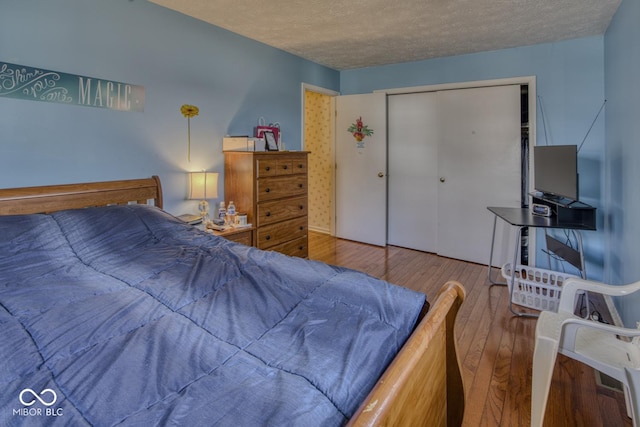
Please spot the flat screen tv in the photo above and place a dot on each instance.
(556, 170)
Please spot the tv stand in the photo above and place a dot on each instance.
(567, 213)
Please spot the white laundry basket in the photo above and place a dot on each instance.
(535, 288)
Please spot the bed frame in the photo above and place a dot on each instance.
(421, 386)
(51, 198)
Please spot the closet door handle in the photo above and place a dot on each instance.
(380, 175)
(442, 179)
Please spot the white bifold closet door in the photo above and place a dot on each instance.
(451, 154)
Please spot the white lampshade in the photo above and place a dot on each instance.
(203, 185)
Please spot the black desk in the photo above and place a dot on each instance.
(521, 218)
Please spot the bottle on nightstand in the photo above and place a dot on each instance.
(222, 212)
(231, 213)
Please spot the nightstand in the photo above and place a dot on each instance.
(242, 235)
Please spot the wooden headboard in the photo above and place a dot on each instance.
(51, 198)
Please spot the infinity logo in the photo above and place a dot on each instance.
(36, 396)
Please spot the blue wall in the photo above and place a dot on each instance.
(570, 88)
(622, 87)
(179, 60)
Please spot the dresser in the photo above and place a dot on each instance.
(271, 188)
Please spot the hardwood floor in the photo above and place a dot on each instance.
(495, 348)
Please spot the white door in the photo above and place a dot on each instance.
(451, 154)
(361, 168)
(479, 166)
(413, 171)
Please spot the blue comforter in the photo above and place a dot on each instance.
(125, 316)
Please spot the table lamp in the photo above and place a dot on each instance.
(203, 186)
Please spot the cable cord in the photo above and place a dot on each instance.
(592, 123)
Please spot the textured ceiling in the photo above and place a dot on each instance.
(347, 34)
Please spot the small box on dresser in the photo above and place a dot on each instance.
(271, 187)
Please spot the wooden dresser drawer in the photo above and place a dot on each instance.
(287, 166)
(239, 235)
(275, 234)
(266, 167)
(299, 165)
(279, 210)
(245, 237)
(280, 186)
(298, 247)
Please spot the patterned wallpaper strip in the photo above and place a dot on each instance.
(317, 135)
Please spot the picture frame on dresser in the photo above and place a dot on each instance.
(270, 142)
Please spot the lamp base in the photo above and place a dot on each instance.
(203, 207)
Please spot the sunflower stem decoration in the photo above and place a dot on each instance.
(189, 111)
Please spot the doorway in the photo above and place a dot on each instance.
(318, 138)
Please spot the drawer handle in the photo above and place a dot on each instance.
(268, 214)
(268, 168)
(301, 228)
(268, 190)
(301, 207)
(285, 167)
(300, 247)
(300, 185)
(268, 238)
(300, 165)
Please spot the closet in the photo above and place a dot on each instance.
(452, 153)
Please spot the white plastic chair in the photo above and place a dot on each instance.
(593, 343)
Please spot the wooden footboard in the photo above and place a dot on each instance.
(423, 385)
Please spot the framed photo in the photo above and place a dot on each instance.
(270, 142)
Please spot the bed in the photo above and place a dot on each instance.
(113, 312)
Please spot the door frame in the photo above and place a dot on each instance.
(317, 89)
(532, 109)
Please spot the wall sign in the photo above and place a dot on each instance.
(36, 84)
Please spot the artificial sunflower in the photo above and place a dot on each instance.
(189, 111)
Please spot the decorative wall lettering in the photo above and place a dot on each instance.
(36, 84)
